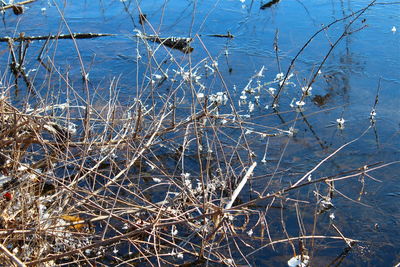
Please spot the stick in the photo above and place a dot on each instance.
(328, 157)
(241, 185)
(348, 241)
(299, 238)
(11, 256)
(16, 4)
(61, 36)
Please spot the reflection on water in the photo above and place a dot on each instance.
(346, 87)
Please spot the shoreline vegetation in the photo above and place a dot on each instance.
(166, 179)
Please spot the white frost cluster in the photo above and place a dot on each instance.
(218, 99)
(299, 261)
(200, 96)
(340, 123)
(188, 76)
(306, 90)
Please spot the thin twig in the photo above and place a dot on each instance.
(16, 4)
(11, 256)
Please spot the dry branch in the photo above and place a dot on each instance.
(23, 37)
(16, 4)
(11, 256)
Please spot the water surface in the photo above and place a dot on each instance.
(362, 62)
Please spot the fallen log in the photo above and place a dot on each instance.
(23, 37)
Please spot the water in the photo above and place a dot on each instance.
(348, 84)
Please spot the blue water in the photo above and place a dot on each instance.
(362, 61)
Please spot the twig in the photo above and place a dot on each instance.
(348, 241)
(11, 256)
(16, 4)
(358, 13)
(328, 157)
(299, 238)
(276, 49)
(116, 239)
(323, 179)
(57, 36)
(241, 185)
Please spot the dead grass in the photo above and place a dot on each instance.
(88, 180)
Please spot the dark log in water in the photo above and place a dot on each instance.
(227, 35)
(23, 37)
(179, 43)
(142, 18)
(269, 4)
